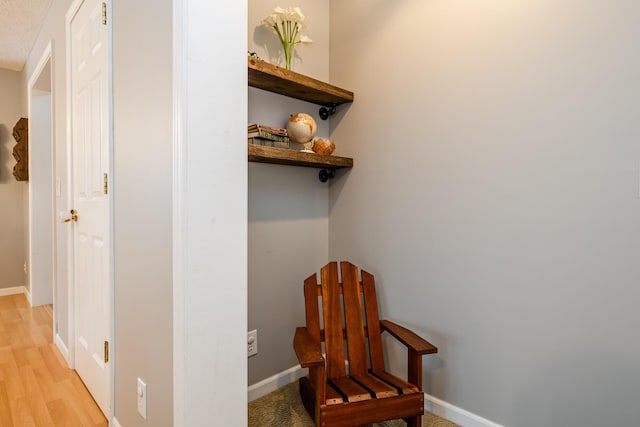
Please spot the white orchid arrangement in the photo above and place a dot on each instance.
(287, 23)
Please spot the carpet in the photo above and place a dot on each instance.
(283, 408)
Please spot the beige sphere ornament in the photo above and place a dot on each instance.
(301, 128)
(323, 146)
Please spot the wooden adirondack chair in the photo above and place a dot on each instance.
(366, 393)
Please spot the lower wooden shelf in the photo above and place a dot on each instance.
(282, 156)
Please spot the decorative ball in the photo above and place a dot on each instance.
(301, 128)
(323, 146)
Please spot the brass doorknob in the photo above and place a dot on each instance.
(74, 216)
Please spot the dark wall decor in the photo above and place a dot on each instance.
(21, 150)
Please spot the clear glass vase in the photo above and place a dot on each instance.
(288, 54)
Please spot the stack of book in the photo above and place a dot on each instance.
(267, 136)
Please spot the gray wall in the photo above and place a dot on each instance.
(288, 206)
(12, 192)
(495, 196)
(142, 99)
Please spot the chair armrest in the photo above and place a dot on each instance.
(309, 352)
(408, 338)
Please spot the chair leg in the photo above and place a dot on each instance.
(414, 422)
(308, 396)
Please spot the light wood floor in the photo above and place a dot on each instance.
(36, 387)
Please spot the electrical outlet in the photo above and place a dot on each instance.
(142, 398)
(252, 343)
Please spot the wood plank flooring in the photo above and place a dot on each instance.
(36, 387)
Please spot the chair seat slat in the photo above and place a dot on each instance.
(399, 384)
(333, 397)
(378, 388)
(351, 390)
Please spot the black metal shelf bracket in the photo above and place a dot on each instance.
(326, 174)
(326, 112)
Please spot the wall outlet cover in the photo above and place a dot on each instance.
(142, 398)
(252, 343)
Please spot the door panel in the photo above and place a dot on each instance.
(90, 161)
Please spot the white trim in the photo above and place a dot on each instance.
(179, 205)
(275, 382)
(62, 347)
(111, 231)
(115, 423)
(455, 414)
(15, 290)
(71, 319)
(44, 58)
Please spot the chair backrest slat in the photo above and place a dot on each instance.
(332, 316)
(312, 313)
(354, 322)
(311, 306)
(373, 322)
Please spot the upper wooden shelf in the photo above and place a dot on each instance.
(283, 156)
(289, 83)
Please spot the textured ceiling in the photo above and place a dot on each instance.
(20, 22)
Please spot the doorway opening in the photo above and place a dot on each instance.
(41, 186)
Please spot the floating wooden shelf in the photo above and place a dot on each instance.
(282, 156)
(263, 75)
(289, 83)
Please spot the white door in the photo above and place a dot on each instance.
(90, 162)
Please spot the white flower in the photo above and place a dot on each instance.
(293, 14)
(270, 20)
(287, 23)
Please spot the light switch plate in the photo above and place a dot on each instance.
(142, 398)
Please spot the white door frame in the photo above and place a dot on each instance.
(37, 288)
(71, 12)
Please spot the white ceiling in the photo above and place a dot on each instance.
(20, 22)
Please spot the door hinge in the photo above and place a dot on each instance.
(106, 352)
(104, 13)
(105, 183)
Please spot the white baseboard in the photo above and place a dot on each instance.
(431, 404)
(275, 382)
(455, 414)
(15, 290)
(115, 423)
(63, 348)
